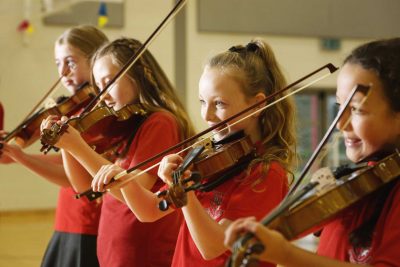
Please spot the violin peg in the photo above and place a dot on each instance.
(163, 205)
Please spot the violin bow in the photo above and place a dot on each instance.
(89, 193)
(135, 57)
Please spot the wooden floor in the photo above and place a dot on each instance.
(24, 237)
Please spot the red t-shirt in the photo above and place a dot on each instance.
(236, 198)
(385, 247)
(76, 216)
(123, 240)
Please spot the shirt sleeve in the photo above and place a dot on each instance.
(158, 133)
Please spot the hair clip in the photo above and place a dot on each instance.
(235, 49)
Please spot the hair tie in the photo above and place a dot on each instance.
(252, 47)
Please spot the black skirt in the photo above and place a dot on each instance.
(71, 250)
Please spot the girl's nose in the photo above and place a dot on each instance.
(63, 70)
(208, 113)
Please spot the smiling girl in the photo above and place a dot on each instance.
(368, 232)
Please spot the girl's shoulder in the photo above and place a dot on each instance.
(161, 116)
(262, 176)
(274, 168)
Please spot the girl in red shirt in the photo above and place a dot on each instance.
(123, 240)
(74, 240)
(367, 232)
(231, 81)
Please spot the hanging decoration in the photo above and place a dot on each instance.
(103, 18)
(25, 27)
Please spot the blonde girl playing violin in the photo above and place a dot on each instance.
(123, 240)
(231, 81)
(74, 240)
(368, 232)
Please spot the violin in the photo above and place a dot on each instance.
(211, 168)
(293, 220)
(29, 131)
(95, 127)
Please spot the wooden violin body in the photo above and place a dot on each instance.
(210, 167)
(311, 214)
(218, 159)
(101, 128)
(316, 211)
(29, 131)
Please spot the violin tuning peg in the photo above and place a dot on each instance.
(163, 205)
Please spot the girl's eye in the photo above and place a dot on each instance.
(202, 102)
(355, 110)
(71, 64)
(219, 104)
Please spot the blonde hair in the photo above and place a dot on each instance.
(255, 68)
(86, 38)
(155, 90)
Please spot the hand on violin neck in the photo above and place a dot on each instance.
(49, 122)
(275, 247)
(55, 132)
(168, 165)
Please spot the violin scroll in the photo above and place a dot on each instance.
(49, 137)
(246, 253)
(176, 193)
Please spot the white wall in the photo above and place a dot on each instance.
(26, 72)
(297, 56)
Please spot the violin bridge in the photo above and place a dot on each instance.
(206, 143)
(325, 179)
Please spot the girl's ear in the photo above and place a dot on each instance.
(258, 98)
